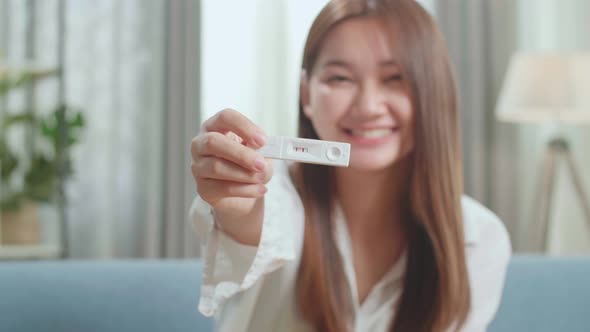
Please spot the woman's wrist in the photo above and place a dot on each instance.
(245, 229)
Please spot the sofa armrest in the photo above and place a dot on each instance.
(101, 296)
(545, 294)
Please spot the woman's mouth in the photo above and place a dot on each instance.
(370, 136)
(371, 133)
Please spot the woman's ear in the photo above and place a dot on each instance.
(304, 93)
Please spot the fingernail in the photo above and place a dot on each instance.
(260, 139)
(259, 164)
(261, 177)
(263, 189)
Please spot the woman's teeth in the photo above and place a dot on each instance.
(373, 133)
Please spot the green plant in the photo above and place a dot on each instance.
(56, 132)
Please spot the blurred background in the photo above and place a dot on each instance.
(99, 101)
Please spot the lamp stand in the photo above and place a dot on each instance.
(557, 149)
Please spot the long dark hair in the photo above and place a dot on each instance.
(436, 293)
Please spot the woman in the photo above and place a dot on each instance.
(387, 244)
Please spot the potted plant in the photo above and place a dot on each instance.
(32, 179)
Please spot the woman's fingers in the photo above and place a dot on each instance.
(218, 145)
(224, 161)
(230, 120)
(220, 169)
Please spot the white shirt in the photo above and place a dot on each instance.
(252, 288)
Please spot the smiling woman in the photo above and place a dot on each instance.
(389, 243)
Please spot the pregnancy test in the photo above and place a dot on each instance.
(306, 150)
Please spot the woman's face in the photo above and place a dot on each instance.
(356, 94)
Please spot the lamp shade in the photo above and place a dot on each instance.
(541, 88)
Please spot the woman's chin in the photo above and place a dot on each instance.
(372, 163)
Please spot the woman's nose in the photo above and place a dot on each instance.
(370, 101)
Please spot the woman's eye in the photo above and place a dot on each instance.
(394, 78)
(338, 78)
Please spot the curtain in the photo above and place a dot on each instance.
(114, 73)
(122, 201)
(481, 38)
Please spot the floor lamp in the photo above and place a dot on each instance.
(542, 88)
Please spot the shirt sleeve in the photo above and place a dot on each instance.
(231, 267)
(487, 260)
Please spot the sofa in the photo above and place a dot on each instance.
(541, 294)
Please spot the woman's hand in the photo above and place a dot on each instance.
(230, 175)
